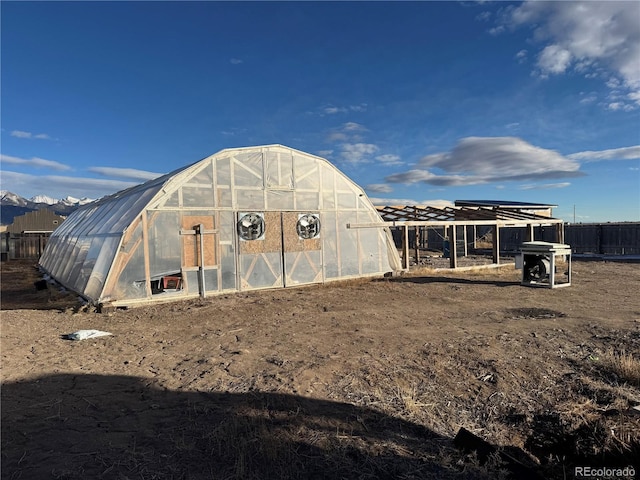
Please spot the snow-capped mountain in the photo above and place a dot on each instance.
(14, 205)
(10, 198)
(44, 199)
(72, 201)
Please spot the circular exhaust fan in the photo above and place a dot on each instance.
(537, 268)
(308, 226)
(251, 226)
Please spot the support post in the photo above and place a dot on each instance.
(496, 244)
(417, 245)
(405, 247)
(145, 251)
(464, 236)
(201, 286)
(453, 247)
(529, 236)
(560, 232)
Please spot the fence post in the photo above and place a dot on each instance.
(599, 239)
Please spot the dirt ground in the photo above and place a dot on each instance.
(362, 379)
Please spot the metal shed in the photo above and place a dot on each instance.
(27, 236)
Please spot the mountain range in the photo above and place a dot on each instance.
(12, 205)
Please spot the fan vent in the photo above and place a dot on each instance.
(251, 226)
(308, 226)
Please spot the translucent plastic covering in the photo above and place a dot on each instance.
(242, 219)
(81, 252)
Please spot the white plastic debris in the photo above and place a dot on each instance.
(85, 334)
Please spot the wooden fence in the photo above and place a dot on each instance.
(23, 246)
(587, 238)
(604, 238)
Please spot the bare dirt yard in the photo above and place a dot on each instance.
(367, 379)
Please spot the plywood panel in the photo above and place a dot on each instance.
(272, 241)
(292, 242)
(191, 243)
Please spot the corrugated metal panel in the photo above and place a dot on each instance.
(37, 221)
(604, 239)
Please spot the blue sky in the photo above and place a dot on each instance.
(418, 102)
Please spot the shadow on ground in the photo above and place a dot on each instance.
(92, 426)
(450, 280)
(20, 292)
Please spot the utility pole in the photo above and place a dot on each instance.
(574, 213)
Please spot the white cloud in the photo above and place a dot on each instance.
(389, 159)
(379, 188)
(357, 152)
(634, 96)
(236, 61)
(425, 176)
(620, 106)
(333, 109)
(613, 83)
(60, 186)
(545, 186)
(437, 203)
(353, 127)
(480, 160)
(584, 36)
(352, 148)
(37, 136)
(554, 59)
(358, 108)
(483, 16)
(521, 56)
(347, 132)
(131, 173)
(382, 202)
(337, 137)
(588, 98)
(34, 162)
(503, 156)
(21, 134)
(324, 153)
(625, 153)
(233, 131)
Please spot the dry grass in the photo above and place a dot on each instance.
(625, 366)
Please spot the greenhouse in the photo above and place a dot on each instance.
(241, 219)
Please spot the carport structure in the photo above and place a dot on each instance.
(449, 218)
